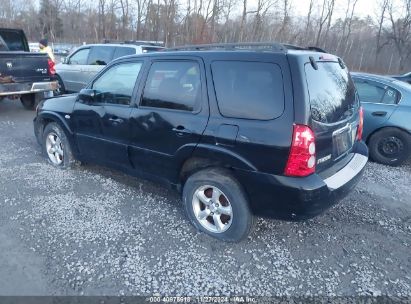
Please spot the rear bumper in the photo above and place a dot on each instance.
(294, 198)
(7, 89)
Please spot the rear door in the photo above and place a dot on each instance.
(378, 100)
(334, 109)
(171, 116)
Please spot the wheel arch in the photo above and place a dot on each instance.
(46, 118)
(206, 156)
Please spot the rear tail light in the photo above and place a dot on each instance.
(302, 160)
(51, 68)
(361, 124)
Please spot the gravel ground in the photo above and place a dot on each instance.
(94, 231)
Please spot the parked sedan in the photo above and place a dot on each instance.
(405, 77)
(387, 117)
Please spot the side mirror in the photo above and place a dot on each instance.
(87, 96)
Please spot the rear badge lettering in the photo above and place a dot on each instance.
(324, 159)
(43, 71)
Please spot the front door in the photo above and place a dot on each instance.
(171, 117)
(72, 72)
(102, 126)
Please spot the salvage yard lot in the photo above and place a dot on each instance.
(95, 231)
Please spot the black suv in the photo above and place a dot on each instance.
(240, 129)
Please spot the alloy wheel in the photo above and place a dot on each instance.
(54, 148)
(212, 209)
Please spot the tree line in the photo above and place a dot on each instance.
(379, 42)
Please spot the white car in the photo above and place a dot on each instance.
(77, 69)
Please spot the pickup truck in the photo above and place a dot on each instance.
(23, 75)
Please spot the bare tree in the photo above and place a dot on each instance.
(400, 32)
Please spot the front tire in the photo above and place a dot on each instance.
(390, 146)
(216, 204)
(56, 146)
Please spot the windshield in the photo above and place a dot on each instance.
(332, 92)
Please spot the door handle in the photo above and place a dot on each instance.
(379, 113)
(181, 131)
(115, 120)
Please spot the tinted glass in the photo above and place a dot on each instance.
(116, 85)
(101, 55)
(332, 92)
(150, 49)
(369, 91)
(173, 85)
(123, 51)
(251, 90)
(80, 57)
(13, 41)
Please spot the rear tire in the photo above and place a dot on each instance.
(216, 204)
(30, 101)
(390, 146)
(56, 147)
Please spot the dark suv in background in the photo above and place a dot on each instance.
(241, 129)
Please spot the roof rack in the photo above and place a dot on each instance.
(255, 46)
(135, 42)
(271, 46)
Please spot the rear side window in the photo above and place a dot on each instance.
(376, 93)
(173, 85)
(101, 55)
(151, 49)
(123, 51)
(249, 90)
(331, 91)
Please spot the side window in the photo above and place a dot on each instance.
(80, 57)
(100, 55)
(375, 93)
(391, 96)
(116, 85)
(250, 90)
(173, 85)
(123, 51)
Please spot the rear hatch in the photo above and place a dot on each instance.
(334, 108)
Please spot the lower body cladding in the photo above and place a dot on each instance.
(299, 198)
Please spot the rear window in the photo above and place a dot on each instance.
(13, 40)
(332, 92)
(249, 90)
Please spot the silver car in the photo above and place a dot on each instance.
(77, 69)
